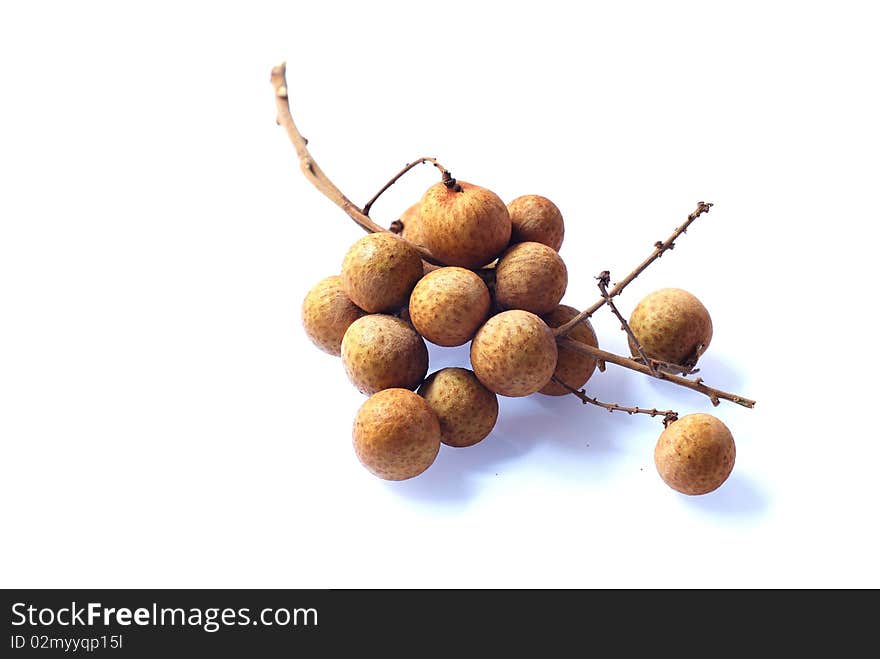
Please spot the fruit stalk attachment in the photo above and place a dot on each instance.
(617, 289)
(714, 395)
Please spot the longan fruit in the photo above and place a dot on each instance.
(466, 409)
(536, 219)
(379, 272)
(695, 454)
(514, 353)
(530, 276)
(671, 325)
(572, 368)
(449, 305)
(464, 225)
(326, 314)
(382, 352)
(396, 434)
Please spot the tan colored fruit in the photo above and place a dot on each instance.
(573, 368)
(514, 353)
(466, 409)
(326, 314)
(695, 454)
(536, 219)
(672, 325)
(381, 352)
(449, 305)
(468, 227)
(411, 225)
(379, 272)
(396, 434)
(530, 276)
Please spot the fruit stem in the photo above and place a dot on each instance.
(605, 279)
(696, 385)
(314, 173)
(617, 289)
(446, 178)
(668, 415)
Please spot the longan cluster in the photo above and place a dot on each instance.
(501, 291)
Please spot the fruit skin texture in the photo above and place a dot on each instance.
(383, 352)
(466, 409)
(514, 353)
(412, 230)
(448, 306)
(396, 434)
(536, 219)
(469, 228)
(572, 367)
(671, 324)
(530, 276)
(326, 314)
(695, 454)
(379, 272)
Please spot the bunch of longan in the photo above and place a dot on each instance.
(500, 289)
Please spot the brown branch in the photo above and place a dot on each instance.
(659, 249)
(446, 178)
(669, 367)
(605, 279)
(696, 385)
(313, 172)
(668, 415)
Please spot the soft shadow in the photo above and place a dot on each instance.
(739, 497)
(458, 473)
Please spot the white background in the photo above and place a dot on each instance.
(165, 422)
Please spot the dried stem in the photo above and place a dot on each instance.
(659, 249)
(668, 415)
(446, 178)
(605, 279)
(669, 367)
(697, 385)
(313, 172)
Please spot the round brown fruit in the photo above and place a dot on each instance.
(536, 219)
(572, 368)
(514, 353)
(379, 272)
(381, 352)
(448, 306)
(672, 326)
(464, 225)
(326, 314)
(530, 276)
(411, 231)
(695, 454)
(466, 409)
(396, 434)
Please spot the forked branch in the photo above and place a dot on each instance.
(659, 249)
(668, 415)
(715, 395)
(604, 279)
